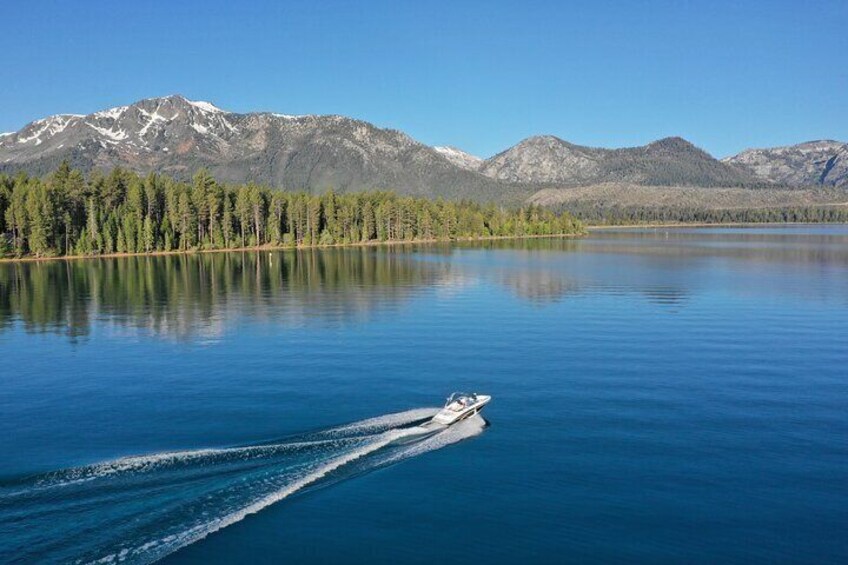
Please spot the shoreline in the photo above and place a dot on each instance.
(283, 248)
(601, 227)
(588, 229)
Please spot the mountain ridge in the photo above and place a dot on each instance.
(819, 162)
(550, 160)
(177, 136)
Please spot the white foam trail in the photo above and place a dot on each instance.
(227, 484)
(142, 463)
(384, 422)
(156, 461)
(172, 543)
(460, 431)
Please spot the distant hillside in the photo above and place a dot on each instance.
(806, 164)
(609, 195)
(670, 161)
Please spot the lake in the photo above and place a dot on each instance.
(659, 395)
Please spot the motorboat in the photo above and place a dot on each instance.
(459, 406)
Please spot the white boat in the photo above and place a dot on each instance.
(459, 406)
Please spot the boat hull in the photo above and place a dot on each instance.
(448, 417)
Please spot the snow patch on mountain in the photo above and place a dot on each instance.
(227, 125)
(153, 119)
(49, 127)
(119, 135)
(459, 157)
(205, 106)
(111, 113)
(292, 116)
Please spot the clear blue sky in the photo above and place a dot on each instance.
(477, 75)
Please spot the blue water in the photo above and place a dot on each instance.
(659, 396)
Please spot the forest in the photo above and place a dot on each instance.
(625, 216)
(69, 213)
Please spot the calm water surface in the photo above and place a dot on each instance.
(659, 396)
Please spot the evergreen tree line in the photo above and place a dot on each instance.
(67, 213)
(673, 214)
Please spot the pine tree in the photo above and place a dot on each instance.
(227, 220)
(149, 235)
(41, 218)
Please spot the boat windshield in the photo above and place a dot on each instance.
(459, 400)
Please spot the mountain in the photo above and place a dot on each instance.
(671, 161)
(807, 164)
(177, 136)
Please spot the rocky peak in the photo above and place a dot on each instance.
(821, 162)
(542, 159)
(552, 161)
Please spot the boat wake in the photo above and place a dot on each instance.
(141, 508)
